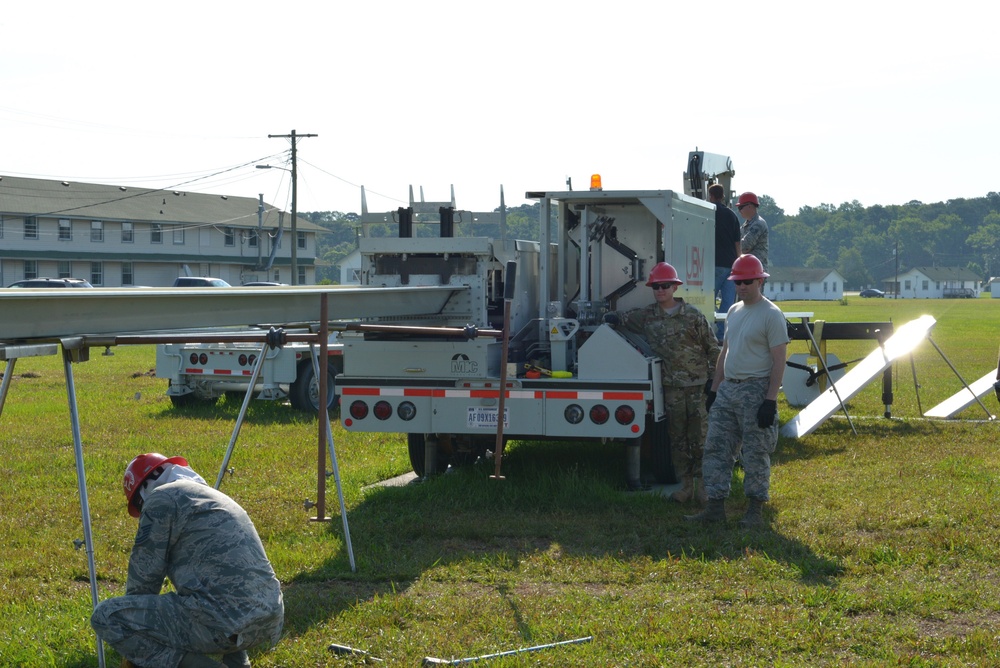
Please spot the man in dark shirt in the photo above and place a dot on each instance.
(727, 249)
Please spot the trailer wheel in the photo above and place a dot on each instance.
(657, 442)
(416, 444)
(304, 392)
(451, 451)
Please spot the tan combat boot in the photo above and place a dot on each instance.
(715, 511)
(683, 495)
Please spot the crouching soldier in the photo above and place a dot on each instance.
(226, 597)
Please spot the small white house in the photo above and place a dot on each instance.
(934, 283)
(800, 283)
(994, 286)
(350, 268)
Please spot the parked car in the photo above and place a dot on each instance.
(200, 282)
(51, 283)
(872, 292)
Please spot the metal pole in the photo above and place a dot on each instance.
(833, 384)
(324, 415)
(8, 374)
(81, 481)
(336, 474)
(295, 216)
(243, 412)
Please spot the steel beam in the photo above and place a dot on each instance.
(51, 314)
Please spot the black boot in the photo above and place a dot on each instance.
(754, 516)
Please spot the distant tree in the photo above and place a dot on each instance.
(851, 266)
(987, 241)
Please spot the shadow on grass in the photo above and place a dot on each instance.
(559, 500)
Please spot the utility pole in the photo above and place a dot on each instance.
(295, 214)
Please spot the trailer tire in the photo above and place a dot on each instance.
(304, 392)
(660, 458)
(416, 444)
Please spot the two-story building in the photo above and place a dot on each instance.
(118, 236)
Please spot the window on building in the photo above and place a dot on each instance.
(806, 287)
(253, 239)
(925, 285)
(906, 284)
(301, 239)
(65, 230)
(97, 230)
(128, 233)
(128, 277)
(31, 230)
(277, 276)
(302, 275)
(97, 273)
(230, 236)
(1, 227)
(825, 289)
(30, 269)
(178, 235)
(937, 285)
(156, 233)
(65, 269)
(835, 286)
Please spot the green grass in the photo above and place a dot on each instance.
(881, 549)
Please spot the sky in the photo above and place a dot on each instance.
(815, 103)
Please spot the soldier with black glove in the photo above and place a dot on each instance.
(743, 420)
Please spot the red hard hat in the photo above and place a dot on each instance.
(663, 273)
(747, 267)
(141, 468)
(747, 198)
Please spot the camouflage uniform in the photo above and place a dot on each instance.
(732, 422)
(227, 597)
(754, 238)
(687, 345)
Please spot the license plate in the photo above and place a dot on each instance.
(486, 418)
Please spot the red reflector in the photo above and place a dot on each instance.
(359, 410)
(624, 414)
(382, 410)
(599, 414)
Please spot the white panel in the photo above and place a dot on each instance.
(904, 340)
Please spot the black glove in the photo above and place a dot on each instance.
(766, 413)
(709, 400)
(611, 318)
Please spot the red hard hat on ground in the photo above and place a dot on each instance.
(663, 273)
(747, 267)
(747, 198)
(141, 468)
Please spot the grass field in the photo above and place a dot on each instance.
(882, 547)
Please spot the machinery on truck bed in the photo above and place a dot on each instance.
(569, 376)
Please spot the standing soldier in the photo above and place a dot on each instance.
(226, 597)
(681, 336)
(754, 230)
(747, 379)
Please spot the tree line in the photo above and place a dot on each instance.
(863, 243)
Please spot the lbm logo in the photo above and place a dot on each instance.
(695, 266)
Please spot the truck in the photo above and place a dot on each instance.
(203, 372)
(568, 374)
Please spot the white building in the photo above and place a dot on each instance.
(350, 268)
(122, 236)
(800, 283)
(933, 283)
